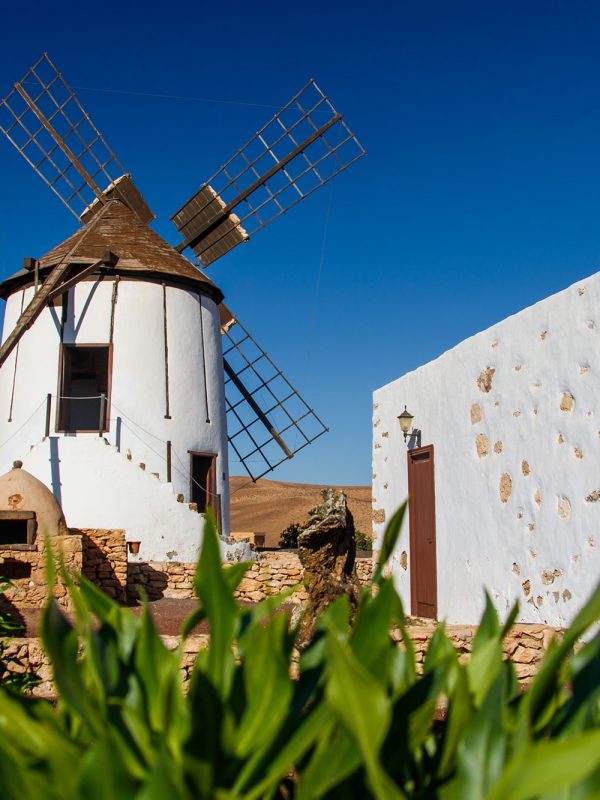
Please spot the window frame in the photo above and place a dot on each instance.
(31, 519)
(59, 428)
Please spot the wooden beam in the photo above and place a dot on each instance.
(108, 258)
(210, 226)
(39, 300)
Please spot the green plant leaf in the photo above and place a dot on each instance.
(362, 705)
(61, 644)
(221, 609)
(266, 657)
(335, 758)
(548, 678)
(548, 767)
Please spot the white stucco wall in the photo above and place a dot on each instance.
(514, 417)
(138, 394)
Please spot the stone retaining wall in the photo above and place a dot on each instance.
(525, 645)
(22, 654)
(105, 560)
(26, 570)
(274, 572)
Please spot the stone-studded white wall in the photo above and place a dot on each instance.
(514, 417)
(138, 394)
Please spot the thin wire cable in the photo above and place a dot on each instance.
(12, 436)
(168, 96)
(133, 422)
(76, 397)
(183, 472)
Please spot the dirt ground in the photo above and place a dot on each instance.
(270, 506)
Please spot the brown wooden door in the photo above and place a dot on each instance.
(423, 569)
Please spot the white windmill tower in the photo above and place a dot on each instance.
(115, 338)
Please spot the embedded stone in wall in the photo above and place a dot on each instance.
(498, 447)
(516, 568)
(484, 381)
(594, 496)
(526, 588)
(549, 576)
(578, 453)
(482, 445)
(525, 468)
(404, 560)
(505, 487)
(567, 402)
(476, 414)
(564, 508)
(378, 516)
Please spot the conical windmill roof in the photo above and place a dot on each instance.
(141, 252)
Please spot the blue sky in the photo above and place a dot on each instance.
(478, 197)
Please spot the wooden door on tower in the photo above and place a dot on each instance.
(203, 483)
(423, 566)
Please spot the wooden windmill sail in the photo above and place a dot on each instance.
(300, 149)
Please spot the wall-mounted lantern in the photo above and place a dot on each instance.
(405, 419)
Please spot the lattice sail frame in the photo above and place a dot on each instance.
(49, 127)
(262, 406)
(301, 148)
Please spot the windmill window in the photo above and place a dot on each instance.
(17, 529)
(84, 388)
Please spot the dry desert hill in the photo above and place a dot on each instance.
(270, 506)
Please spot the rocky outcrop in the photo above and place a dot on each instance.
(327, 551)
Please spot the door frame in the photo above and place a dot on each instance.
(414, 566)
(211, 481)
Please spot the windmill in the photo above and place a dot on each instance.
(301, 148)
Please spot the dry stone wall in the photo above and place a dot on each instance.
(105, 560)
(26, 570)
(525, 645)
(100, 555)
(273, 573)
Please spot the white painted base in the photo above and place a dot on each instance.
(98, 487)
